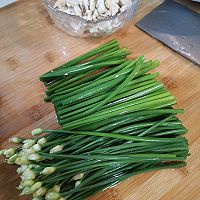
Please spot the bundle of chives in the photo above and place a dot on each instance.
(118, 121)
(75, 164)
(107, 55)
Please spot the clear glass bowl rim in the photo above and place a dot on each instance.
(134, 3)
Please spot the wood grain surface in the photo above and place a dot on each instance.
(30, 44)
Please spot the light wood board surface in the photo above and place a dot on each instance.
(30, 44)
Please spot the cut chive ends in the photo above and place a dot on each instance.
(117, 121)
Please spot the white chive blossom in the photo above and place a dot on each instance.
(24, 160)
(56, 188)
(48, 170)
(12, 159)
(9, 152)
(28, 183)
(56, 149)
(34, 157)
(26, 190)
(15, 140)
(18, 161)
(26, 152)
(78, 177)
(36, 147)
(77, 183)
(28, 175)
(40, 192)
(36, 186)
(42, 141)
(52, 195)
(61, 198)
(37, 131)
(28, 143)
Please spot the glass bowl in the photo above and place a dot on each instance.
(79, 27)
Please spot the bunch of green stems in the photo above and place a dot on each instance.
(76, 164)
(117, 121)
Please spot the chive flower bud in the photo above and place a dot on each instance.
(37, 131)
(36, 147)
(34, 157)
(56, 149)
(56, 188)
(19, 170)
(24, 167)
(40, 192)
(26, 190)
(2, 152)
(50, 190)
(52, 195)
(37, 198)
(36, 186)
(28, 143)
(29, 183)
(28, 175)
(20, 187)
(78, 177)
(26, 152)
(9, 152)
(12, 159)
(24, 160)
(77, 183)
(15, 140)
(42, 141)
(18, 161)
(48, 170)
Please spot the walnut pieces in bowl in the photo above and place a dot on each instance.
(90, 18)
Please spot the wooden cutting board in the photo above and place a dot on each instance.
(30, 45)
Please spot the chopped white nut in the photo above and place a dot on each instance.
(88, 15)
(59, 4)
(98, 11)
(93, 4)
(95, 15)
(93, 9)
(101, 7)
(114, 7)
(86, 5)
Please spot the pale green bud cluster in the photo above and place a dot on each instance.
(34, 157)
(77, 183)
(42, 141)
(78, 177)
(12, 159)
(48, 170)
(28, 143)
(28, 174)
(37, 131)
(40, 192)
(15, 140)
(26, 190)
(36, 147)
(56, 149)
(26, 155)
(52, 196)
(56, 188)
(9, 152)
